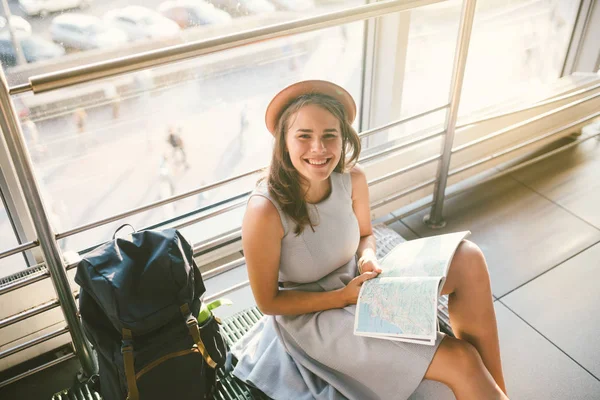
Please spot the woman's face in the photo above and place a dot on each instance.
(314, 142)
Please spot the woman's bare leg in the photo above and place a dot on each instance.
(471, 306)
(457, 364)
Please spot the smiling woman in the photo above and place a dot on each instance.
(305, 280)
(312, 125)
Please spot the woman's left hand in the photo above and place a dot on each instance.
(368, 264)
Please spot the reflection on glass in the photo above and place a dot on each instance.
(517, 47)
(104, 148)
(84, 25)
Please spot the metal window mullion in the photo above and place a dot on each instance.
(15, 207)
(578, 33)
(9, 124)
(368, 70)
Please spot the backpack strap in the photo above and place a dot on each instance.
(127, 351)
(192, 324)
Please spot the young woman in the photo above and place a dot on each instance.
(305, 226)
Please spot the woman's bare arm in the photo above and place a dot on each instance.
(262, 233)
(362, 210)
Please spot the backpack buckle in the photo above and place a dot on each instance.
(191, 322)
(126, 347)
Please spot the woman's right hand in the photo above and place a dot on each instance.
(350, 292)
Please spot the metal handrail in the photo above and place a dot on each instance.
(212, 214)
(137, 62)
(401, 146)
(224, 268)
(235, 234)
(392, 124)
(14, 139)
(467, 187)
(33, 342)
(20, 248)
(208, 245)
(537, 118)
(233, 288)
(531, 107)
(223, 182)
(37, 369)
(405, 192)
(24, 282)
(151, 206)
(522, 145)
(403, 170)
(28, 313)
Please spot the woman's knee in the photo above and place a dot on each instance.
(454, 361)
(469, 263)
(466, 357)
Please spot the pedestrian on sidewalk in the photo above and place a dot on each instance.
(178, 148)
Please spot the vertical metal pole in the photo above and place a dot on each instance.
(435, 218)
(20, 57)
(16, 147)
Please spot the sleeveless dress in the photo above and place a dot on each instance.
(317, 355)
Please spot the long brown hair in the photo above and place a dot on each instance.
(284, 181)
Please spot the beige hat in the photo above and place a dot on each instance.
(284, 98)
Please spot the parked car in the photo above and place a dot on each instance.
(294, 5)
(35, 48)
(19, 26)
(140, 23)
(44, 7)
(188, 13)
(84, 32)
(244, 7)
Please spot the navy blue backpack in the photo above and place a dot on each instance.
(139, 300)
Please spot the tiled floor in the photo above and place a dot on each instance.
(540, 231)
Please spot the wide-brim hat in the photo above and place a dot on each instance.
(284, 98)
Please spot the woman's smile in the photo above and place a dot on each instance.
(318, 162)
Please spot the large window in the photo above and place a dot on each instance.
(107, 147)
(74, 32)
(103, 148)
(516, 54)
(517, 50)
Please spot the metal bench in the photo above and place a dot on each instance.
(237, 325)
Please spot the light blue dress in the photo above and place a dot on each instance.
(316, 355)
